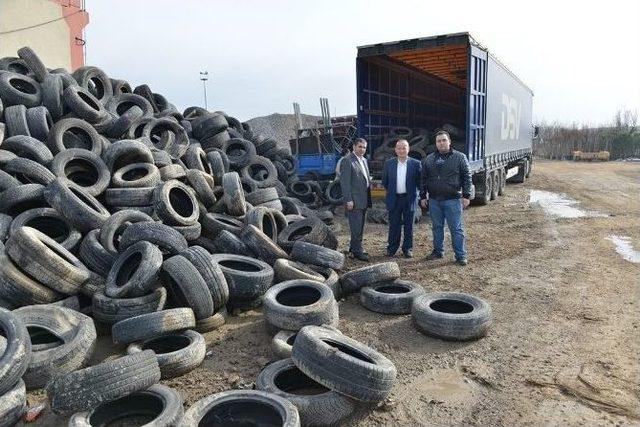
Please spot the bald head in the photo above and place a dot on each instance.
(402, 149)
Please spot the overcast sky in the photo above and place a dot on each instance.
(582, 62)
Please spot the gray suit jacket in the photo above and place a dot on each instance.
(353, 182)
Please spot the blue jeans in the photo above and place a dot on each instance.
(451, 210)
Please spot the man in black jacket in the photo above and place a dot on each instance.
(446, 190)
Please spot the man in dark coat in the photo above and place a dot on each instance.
(401, 179)
(355, 182)
(446, 190)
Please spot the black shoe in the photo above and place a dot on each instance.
(408, 254)
(362, 256)
(390, 254)
(434, 255)
(462, 261)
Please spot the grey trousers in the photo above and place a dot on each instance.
(357, 218)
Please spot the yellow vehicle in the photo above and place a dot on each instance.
(601, 156)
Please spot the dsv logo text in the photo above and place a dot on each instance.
(510, 118)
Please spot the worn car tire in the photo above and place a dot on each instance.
(212, 323)
(167, 239)
(151, 325)
(390, 297)
(175, 203)
(451, 315)
(19, 289)
(29, 148)
(94, 255)
(28, 171)
(290, 270)
(79, 208)
(112, 310)
(13, 405)
(15, 358)
(186, 287)
(211, 273)
(261, 245)
(113, 227)
(135, 272)
(248, 278)
(353, 280)
(315, 254)
(84, 168)
(73, 133)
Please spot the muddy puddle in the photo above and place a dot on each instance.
(625, 249)
(560, 205)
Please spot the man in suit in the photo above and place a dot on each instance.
(355, 182)
(401, 179)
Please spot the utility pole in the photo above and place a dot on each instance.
(204, 76)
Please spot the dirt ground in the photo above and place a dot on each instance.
(564, 346)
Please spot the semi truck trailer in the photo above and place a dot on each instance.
(417, 86)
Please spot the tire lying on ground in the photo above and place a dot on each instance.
(451, 315)
(94, 255)
(212, 323)
(112, 310)
(177, 353)
(390, 297)
(318, 255)
(160, 405)
(293, 304)
(175, 203)
(151, 325)
(310, 230)
(75, 332)
(240, 408)
(331, 279)
(86, 388)
(282, 343)
(343, 364)
(211, 273)
(19, 289)
(317, 405)
(353, 280)
(186, 287)
(14, 360)
(291, 270)
(248, 278)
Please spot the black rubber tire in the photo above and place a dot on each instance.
(247, 277)
(261, 171)
(196, 158)
(29, 148)
(52, 90)
(49, 222)
(15, 200)
(331, 279)
(202, 184)
(451, 315)
(212, 323)
(209, 125)
(177, 353)
(291, 206)
(261, 196)
(310, 230)
(233, 194)
(17, 89)
(343, 364)
(79, 208)
(495, 184)
(261, 245)
(84, 168)
(293, 304)
(75, 332)
(94, 255)
(224, 242)
(159, 404)
(95, 81)
(211, 273)
(176, 204)
(150, 325)
(133, 197)
(15, 118)
(6, 180)
(503, 181)
(317, 405)
(263, 219)
(213, 224)
(29, 171)
(46, 261)
(111, 230)
(216, 161)
(73, 133)
(120, 87)
(160, 158)
(135, 272)
(126, 152)
(157, 131)
(84, 104)
(353, 280)
(167, 239)
(173, 171)
(122, 103)
(242, 407)
(112, 310)
(13, 405)
(282, 344)
(34, 63)
(14, 360)
(19, 289)
(15, 65)
(145, 92)
(39, 121)
(186, 287)
(88, 387)
(290, 270)
(315, 254)
(390, 297)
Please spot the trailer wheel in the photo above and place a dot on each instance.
(483, 189)
(495, 184)
(502, 174)
(528, 168)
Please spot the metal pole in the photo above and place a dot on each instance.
(204, 76)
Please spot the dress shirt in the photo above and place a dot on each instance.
(401, 177)
(363, 164)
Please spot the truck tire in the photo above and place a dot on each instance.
(451, 315)
(294, 304)
(242, 407)
(529, 165)
(86, 388)
(502, 174)
(112, 310)
(390, 297)
(160, 405)
(495, 184)
(519, 178)
(176, 353)
(483, 189)
(14, 360)
(317, 405)
(77, 333)
(336, 361)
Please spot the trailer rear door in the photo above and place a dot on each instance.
(477, 111)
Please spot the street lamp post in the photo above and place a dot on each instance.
(204, 76)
